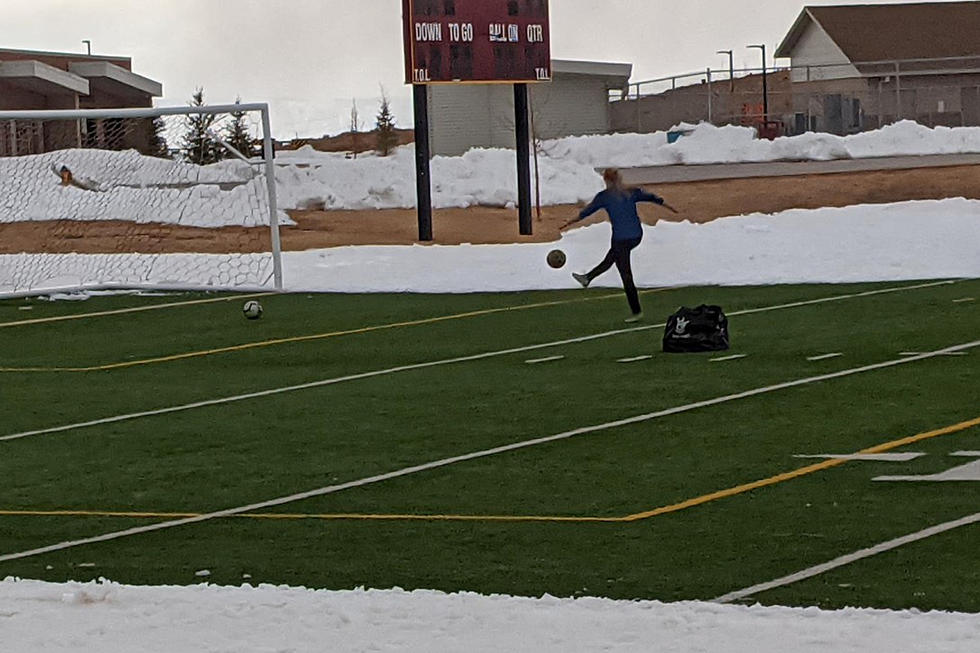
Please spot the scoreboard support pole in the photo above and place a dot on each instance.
(523, 132)
(423, 184)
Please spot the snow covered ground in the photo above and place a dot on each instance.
(912, 240)
(885, 242)
(888, 242)
(127, 186)
(131, 187)
(567, 166)
(108, 618)
(908, 240)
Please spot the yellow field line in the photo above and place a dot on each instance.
(135, 309)
(308, 338)
(803, 471)
(676, 507)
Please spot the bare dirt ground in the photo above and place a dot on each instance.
(697, 202)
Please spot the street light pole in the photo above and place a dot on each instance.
(88, 44)
(731, 67)
(765, 91)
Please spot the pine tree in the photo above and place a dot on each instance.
(198, 145)
(387, 139)
(236, 134)
(157, 142)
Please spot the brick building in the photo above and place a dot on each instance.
(32, 80)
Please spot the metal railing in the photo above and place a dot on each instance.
(836, 98)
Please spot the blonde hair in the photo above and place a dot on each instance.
(613, 179)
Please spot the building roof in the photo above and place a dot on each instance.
(115, 78)
(53, 73)
(597, 68)
(42, 78)
(865, 33)
(60, 58)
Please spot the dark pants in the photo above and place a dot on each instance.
(619, 254)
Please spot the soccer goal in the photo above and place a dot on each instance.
(180, 198)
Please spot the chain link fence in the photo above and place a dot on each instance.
(836, 99)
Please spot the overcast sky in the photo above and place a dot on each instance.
(310, 58)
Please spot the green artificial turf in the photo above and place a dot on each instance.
(423, 378)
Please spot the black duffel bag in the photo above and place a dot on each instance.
(704, 328)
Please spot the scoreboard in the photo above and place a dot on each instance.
(485, 41)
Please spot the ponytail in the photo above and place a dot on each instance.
(614, 181)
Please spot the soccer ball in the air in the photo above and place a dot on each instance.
(252, 310)
(556, 258)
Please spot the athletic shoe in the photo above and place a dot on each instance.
(582, 279)
(635, 317)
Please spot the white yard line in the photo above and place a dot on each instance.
(445, 462)
(307, 386)
(635, 359)
(879, 457)
(549, 359)
(964, 300)
(824, 357)
(867, 293)
(848, 559)
(733, 357)
(134, 309)
(417, 366)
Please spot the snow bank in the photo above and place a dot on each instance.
(134, 188)
(909, 240)
(567, 166)
(128, 186)
(110, 618)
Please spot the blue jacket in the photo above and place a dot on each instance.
(621, 208)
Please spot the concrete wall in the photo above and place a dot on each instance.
(572, 105)
(482, 115)
(466, 116)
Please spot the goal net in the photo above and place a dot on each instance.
(174, 198)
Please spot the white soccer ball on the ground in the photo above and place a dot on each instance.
(252, 310)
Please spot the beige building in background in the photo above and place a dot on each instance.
(574, 103)
(857, 67)
(851, 68)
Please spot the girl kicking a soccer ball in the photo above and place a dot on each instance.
(619, 202)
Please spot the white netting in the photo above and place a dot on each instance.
(108, 213)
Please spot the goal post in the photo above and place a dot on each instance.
(181, 198)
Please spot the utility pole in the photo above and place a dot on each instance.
(765, 90)
(731, 68)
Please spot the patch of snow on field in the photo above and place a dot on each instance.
(38, 617)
